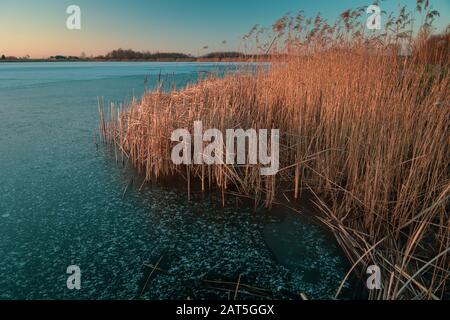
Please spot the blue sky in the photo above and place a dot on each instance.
(38, 28)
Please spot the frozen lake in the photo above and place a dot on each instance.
(61, 203)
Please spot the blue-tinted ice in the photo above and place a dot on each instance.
(61, 204)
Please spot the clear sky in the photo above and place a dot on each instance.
(38, 27)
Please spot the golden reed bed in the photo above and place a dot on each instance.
(363, 129)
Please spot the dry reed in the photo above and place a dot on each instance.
(364, 130)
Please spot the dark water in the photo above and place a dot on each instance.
(61, 204)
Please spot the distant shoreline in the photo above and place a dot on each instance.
(140, 60)
(121, 55)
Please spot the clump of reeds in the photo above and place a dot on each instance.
(364, 129)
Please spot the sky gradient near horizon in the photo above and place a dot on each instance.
(38, 28)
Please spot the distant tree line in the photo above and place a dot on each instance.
(11, 58)
(122, 54)
(225, 55)
(64, 58)
(129, 54)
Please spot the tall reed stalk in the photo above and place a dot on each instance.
(363, 129)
